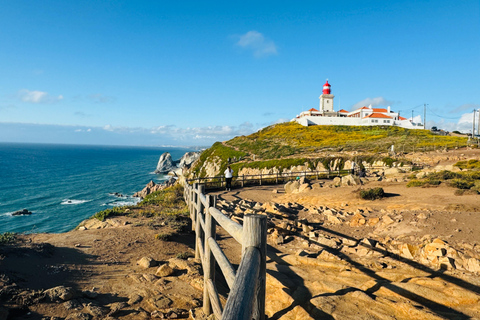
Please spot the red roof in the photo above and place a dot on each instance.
(364, 108)
(402, 118)
(343, 111)
(313, 109)
(377, 115)
(380, 110)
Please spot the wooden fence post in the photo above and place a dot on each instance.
(255, 235)
(260, 179)
(276, 180)
(243, 180)
(193, 204)
(209, 263)
(198, 216)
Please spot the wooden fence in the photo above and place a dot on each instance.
(266, 178)
(246, 299)
(276, 178)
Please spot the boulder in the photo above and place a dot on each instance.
(164, 270)
(146, 262)
(60, 293)
(292, 186)
(165, 163)
(337, 181)
(351, 180)
(23, 212)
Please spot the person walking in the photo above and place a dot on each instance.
(228, 178)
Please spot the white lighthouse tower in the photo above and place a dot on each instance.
(326, 99)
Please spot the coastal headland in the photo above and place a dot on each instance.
(413, 254)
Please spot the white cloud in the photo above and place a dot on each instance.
(38, 96)
(375, 102)
(255, 41)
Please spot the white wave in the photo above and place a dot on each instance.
(71, 201)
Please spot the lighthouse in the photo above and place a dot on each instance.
(326, 99)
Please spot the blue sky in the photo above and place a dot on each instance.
(195, 72)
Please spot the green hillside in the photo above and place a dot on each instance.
(290, 143)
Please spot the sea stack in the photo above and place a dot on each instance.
(165, 163)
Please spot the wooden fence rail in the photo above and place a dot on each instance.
(270, 178)
(266, 178)
(248, 284)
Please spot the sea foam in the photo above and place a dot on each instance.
(70, 201)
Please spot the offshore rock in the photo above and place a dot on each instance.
(152, 187)
(188, 158)
(165, 163)
(22, 213)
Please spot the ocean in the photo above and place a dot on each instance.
(64, 184)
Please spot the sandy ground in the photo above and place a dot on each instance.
(104, 261)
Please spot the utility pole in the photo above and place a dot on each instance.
(412, 116)
(473, 124)
(478, 126)
(424, 116)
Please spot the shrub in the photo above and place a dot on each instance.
(470, 164)
(372, 194)
(461, 184)
(476, 187)
(184, 255)
(7, 237)
(415, 183)
(163, 236)
(115, 211)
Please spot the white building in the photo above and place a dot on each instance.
(365, 116)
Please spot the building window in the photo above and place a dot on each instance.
(386, 121)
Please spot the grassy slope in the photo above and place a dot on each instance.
(272, 145)
(291, 138)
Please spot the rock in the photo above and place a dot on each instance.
(188, 158)
(23, 212)
(165, 163)
(357, 220)
(146, 262)
(387, 220)
(79, 316)
(160, 302)
(292, 186)
(96, 311)
(304, 187)
(134, 298)
(149, 277)
(153, 187)
(164, 270)
(90, 294)
(351, 180)
(337, 181)
(472, 265)
(116, 306)
(60, 293)
(72, 304)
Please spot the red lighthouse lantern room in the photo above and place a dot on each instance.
(326, 88)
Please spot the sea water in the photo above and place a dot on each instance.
(65, 184)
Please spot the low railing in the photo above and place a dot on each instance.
(276, 178)
(266, 178)
(248, 284)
